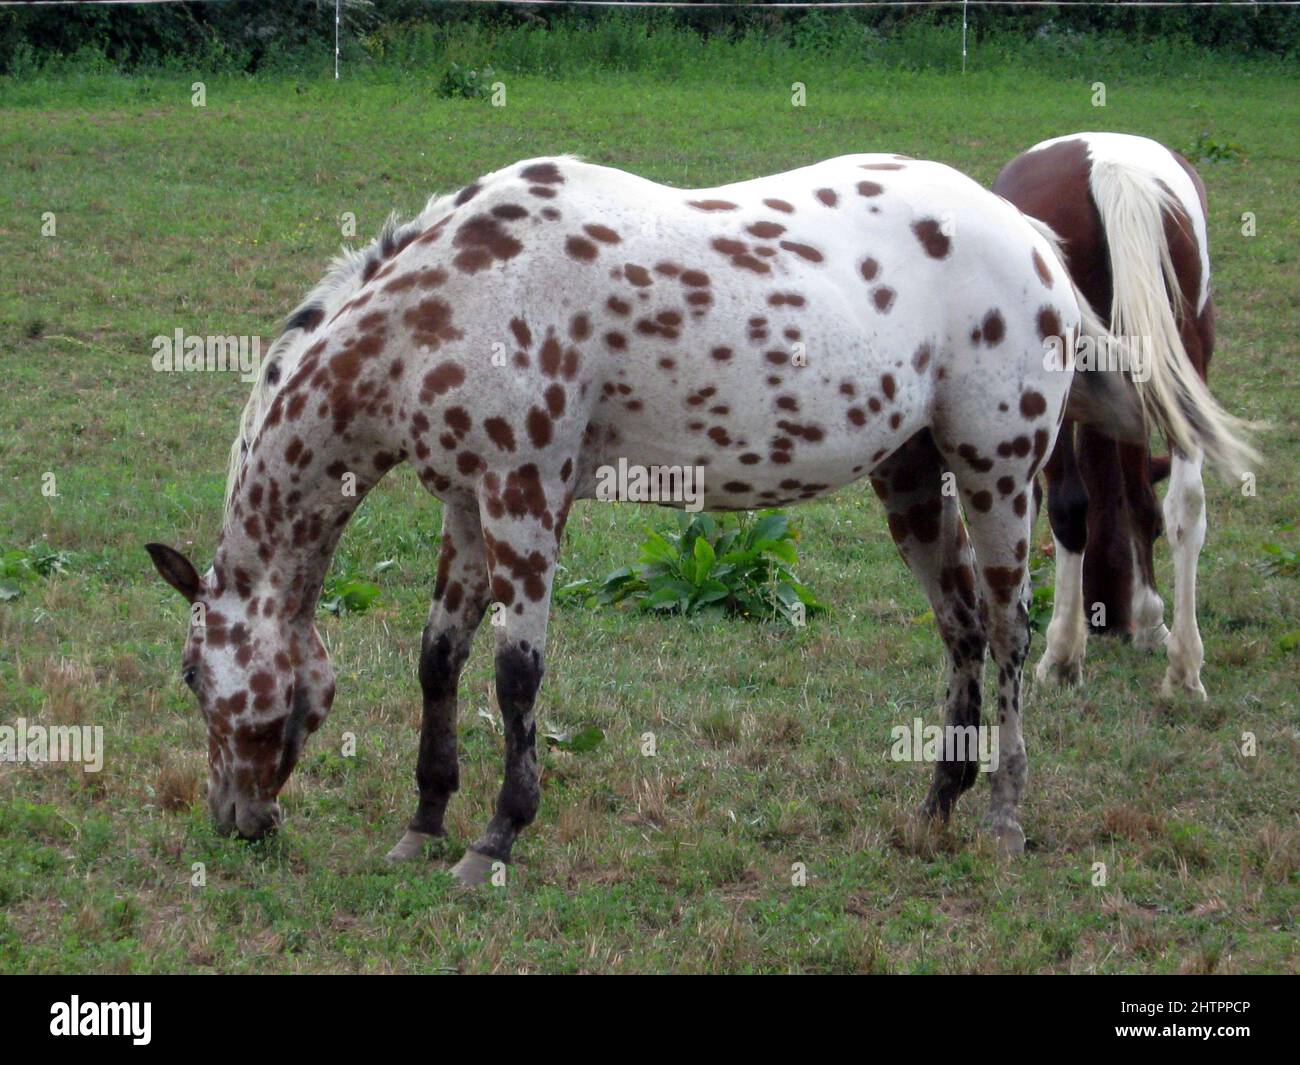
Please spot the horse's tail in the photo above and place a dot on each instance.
(1146, 306)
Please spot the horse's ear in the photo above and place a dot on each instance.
(175, 569)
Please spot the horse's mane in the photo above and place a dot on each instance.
(348, 271)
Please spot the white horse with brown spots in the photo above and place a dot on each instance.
(869, 315)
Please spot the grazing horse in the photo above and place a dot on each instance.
(868, 315)
(1131, 218)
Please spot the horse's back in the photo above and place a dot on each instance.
(785, 333)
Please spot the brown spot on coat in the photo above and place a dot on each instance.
(441, 380)
(430, 322)
(539, 427)
(542, 174)
(994, 329)
(602, 233)
(580, 248)
(973, 458)
(1032, 404)
(637, 275)
(554, 397)
(804, 251)
(1041, 269)
(932, 237)
(1049, 325)
(1003, 581)
(500, 433)
(482, 240)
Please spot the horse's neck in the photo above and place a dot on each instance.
(280, 533)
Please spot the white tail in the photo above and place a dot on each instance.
(1147, 302)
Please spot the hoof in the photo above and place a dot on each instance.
(1007, 834)
(1151, 640)
(473, 869)
(936, 809)
(1068, 674)
(1176, 686)
(929, 813)
(409, 846)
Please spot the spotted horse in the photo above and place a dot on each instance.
(1131, 217)
(871, 315)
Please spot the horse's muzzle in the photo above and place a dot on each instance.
(257, 820)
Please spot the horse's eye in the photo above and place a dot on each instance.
(191, 677)
(273, 374)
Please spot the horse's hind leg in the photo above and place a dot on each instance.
(926, 525)
(1000, 537)
(522, 546)
(460, 596)
(997, 515)
(1185, 527)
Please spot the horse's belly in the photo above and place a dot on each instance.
(763, 436)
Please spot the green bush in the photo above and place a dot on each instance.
(724, 565)
(466, 83)
(19, 567)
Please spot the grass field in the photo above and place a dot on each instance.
(772, 743)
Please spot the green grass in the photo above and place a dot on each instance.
(771, 742)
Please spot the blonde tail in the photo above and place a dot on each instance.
(1132, 203)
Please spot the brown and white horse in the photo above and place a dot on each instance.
(1131, 218)
(870, 315)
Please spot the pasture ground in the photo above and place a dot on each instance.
(772, 742)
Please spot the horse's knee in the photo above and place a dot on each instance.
(440, 665)
(519, 672)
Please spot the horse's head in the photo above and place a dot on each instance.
(263, 681)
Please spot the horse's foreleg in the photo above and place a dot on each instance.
(460, 596)
(1185, 528)
(521, 556)
(1067, 509)
(1148, 609)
